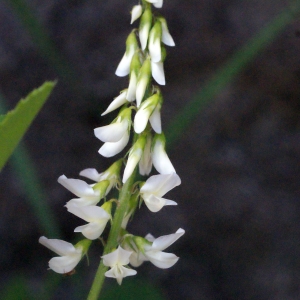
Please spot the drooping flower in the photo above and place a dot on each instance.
(70, 255)
(157, 186)
(115, 135)
(131, 46)
(158, 73)
(96, 216)
(136, 13)
(151, 249)
(87, 195)
(160, 158)
(116, 261)
(156, 3)
(117, 102)
(112, 174)
(149, 110)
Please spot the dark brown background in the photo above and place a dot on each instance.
(239, 161)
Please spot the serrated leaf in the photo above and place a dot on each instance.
(15, 123)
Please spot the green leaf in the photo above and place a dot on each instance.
(15, 123)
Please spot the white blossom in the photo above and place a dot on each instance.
(116, 261)
(87, 195)
(117, 102)
(96, 217)
(145, 26)
(143, 81)
(69, 256)
(156, 187)
(156, 3)
(166, 36)
(115, 135)
(149, 110)
(160, 158)
(136, 13)
(124, 65)
(154, 252)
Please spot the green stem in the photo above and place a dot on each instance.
(227, 73)
(112, 241)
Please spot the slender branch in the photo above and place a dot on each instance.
(112, 241)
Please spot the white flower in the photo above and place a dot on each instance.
(155, 42)
(160, 158)
(157, 186)
(95, 215)
(87, 195)
(111, 174)
(157, 69)
(134, 73)
(145, 164)
(69, 255)
(131, 46)
(116, 261)
(166, 36)
(136, 13)
(115, 135)
(149, 110)
(117, 102)
(154, 252)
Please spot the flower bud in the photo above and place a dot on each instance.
(145, 25)
(134, 72)
(166, 36)
(143, 81)
(136, 13)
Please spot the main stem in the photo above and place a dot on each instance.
(112, 241)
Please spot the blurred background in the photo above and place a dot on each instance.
(238, 159)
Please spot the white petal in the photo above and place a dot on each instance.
(111, 149)
(111, 133)
(161, 160)
(124, 65)
(136, 259)
(131, 164)
(60, 247)
(130, 96)
(119, 272)
(88, 213)
(157, 69)
(64, 264)
(159, 185)
(92, 230)
(120, 256)
(155, 119)
(136, 13)
(116, 103)
(155, 49)
(84, 201)
(91, 174)
(78, 187)
(143, 35)
(155, 204)
(140, 90)
(162, 260)
(165, 241)
(141, 119)
(158, 3)
(166, 36)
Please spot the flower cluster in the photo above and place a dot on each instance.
(143, 62)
